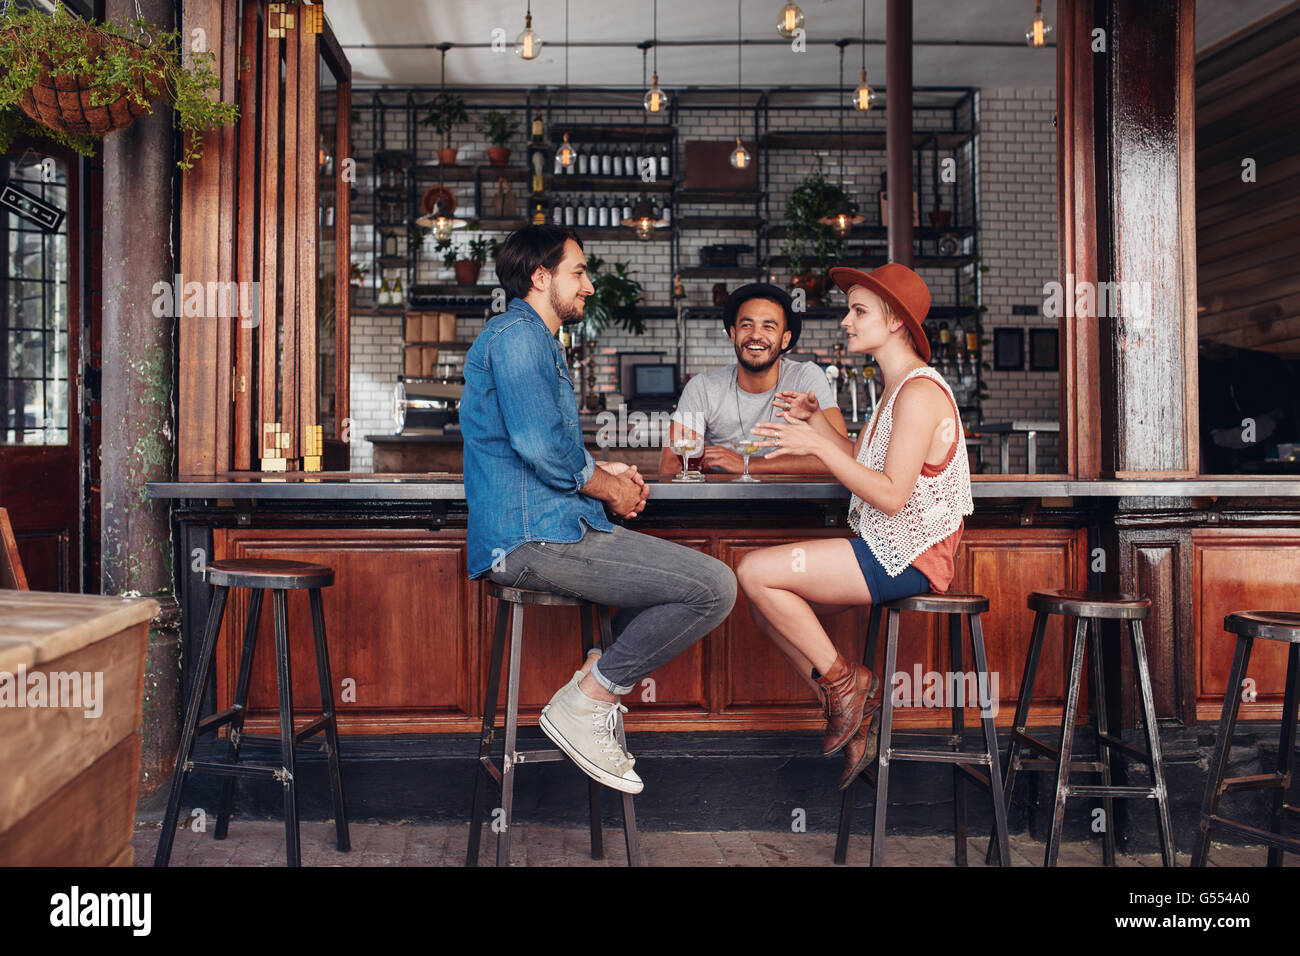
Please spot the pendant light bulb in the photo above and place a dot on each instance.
(789, 20)
(644, 229)
(656, 100)
(564, 155)
(528, 44)
(740, 155)
(864, 95)
(1039, 30)
(442, 228)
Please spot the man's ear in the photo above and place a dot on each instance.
(539, 278)
(785, 339)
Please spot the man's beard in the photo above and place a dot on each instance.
(567, 312)
(748, 360)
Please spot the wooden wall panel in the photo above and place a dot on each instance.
(1241, 571)
(1248, 233)
(400, 621)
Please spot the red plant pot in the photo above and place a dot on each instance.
(467, 272)
(447, 156)
(498, 155)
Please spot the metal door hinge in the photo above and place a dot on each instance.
(278, 20)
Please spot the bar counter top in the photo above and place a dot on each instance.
(346, 486)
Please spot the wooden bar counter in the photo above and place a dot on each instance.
(410, 633)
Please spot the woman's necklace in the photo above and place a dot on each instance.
(745, 433)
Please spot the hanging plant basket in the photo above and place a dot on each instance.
(75, 103)
(74, 80)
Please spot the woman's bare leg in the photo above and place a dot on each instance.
(801, 664)
(784, 582)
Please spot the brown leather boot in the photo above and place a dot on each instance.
(861, 750)
(847, 688)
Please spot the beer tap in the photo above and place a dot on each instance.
(851, 375)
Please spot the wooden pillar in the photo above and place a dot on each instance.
(1146, 303)
(136, 445)
(898, 128)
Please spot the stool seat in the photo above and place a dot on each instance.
(268, 573)
(1101, 604)
(942, 603)
(529, 596)
(1271, 625)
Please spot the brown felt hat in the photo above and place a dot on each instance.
(904, 290)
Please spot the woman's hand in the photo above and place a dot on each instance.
(796, 404)
(790, 437)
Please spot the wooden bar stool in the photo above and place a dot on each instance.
(1088, 608)
(259, 574)
(957, 607)
(1271, 626)
(510, 611)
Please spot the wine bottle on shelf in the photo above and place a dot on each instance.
(629, 161)
(557, 214)
(602, 215)
(627, 208)
(666, 214)
(568, 211)
(399, 296)
(592, 215)
(385, 295)
(606, 162)
(664, 162)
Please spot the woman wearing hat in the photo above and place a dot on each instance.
(911, 491)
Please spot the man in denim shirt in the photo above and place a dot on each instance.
(537, 504)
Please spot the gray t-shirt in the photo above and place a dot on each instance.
(728, 412)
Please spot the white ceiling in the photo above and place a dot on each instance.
(955, 25)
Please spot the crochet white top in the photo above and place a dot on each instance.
(936, 506)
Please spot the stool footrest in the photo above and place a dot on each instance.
(1036, 745)
(315, 727)
(980, 778)
(235, 769)
(1049, 766)
(1128, 750)
(1259, 781)
(1097, 790)
(216, 720)
(1263, 836)
(938, 756)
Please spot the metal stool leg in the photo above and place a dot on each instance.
(1101, 727)
(284, 677)
(593, 788)
(241, 704)
(846, 802)
(1020, 724)
(512, 727)
(958, 732)
(204, 670)
(344, 842)
(1219, 762)
(1000, 803)
(1286, 748)
(1067, 739)
(886, 737)
(1152, 731)
(629, 806)
(484, 767)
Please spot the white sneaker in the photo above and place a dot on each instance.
(587, 731)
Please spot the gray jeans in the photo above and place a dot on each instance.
(669, 596)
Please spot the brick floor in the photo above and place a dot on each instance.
(261, 843)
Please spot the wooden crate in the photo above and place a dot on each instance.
(68, 790)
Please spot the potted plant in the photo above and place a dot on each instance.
(468, 259)
(445, 110)
(499, 130)
(614, 302)
(808, 240)
(74, 81)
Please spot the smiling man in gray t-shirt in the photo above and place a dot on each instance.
(729, 401)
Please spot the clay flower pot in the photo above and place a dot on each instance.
(940, 218)
(498, 155)
(813, 287)
(467, 271)
(447, 156)
(63, 102)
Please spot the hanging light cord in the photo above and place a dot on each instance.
(655, 34)
(840, 90)
(864, 37)
(740, 100)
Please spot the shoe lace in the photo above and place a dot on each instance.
(606, 724)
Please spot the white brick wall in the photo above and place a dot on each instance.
(1017, 241)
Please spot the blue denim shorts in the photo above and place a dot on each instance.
(882, 587)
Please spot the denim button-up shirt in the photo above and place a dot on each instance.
(525, 463)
